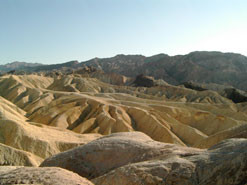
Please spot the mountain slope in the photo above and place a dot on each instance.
(165, 113)
(200, 66)
(18, 66)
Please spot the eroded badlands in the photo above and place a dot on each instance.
(160, 135)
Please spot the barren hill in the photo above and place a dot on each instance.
(200, 66)
(50, 118)
(86, 105)
(18, 66)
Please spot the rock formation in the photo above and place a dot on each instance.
(32, 175)
(40, 140)
(148, 131)
(202, 66)
(86, 105)
(15, 157)
(144, 81)
(134, 158)
(236, 95)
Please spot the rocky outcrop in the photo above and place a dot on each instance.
(15, 157)
(222, 164)
(133, 158)
(237, 96)
(144, 81)
(172, 170)
(110, 152)
(202, 66)
(194, 86)
(32, 175)
(18, 66)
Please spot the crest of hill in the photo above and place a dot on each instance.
(18, 66)
(229, 92)
(200, 66)
(70, 64)
(135, 159)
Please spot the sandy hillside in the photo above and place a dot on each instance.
(50, 120)
(86, 105)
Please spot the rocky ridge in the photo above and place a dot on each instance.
(199, 66)
(134, 158)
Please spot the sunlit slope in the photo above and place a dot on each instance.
(37, 140)
(168, 114)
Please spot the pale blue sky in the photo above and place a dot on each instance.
(56, 31)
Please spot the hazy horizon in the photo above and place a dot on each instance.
(51, 32)
(61, 62)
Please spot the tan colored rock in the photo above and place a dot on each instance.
(222, 164)
(47, 176)
(42, 101)
(234, 132)
(23, 89)
(15, 157)
(40, 140)
(10, 110)
(172, 170)
(134, 158)
(149, 124)
(71, 111)
(107, 153)
(85, 126)
(7, 169)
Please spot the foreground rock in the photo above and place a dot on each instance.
(107, 153)
(169, 171)
(133, 159)
(223, 164)
(46, 176)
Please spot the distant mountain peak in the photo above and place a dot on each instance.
(73, 62)
(16, 65)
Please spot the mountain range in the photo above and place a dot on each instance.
(199, 66)
(116, 121)
(18, 66)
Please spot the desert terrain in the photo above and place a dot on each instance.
(90, 126)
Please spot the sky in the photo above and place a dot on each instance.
(57, 31)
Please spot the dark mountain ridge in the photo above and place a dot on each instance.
(18, 66)
(199, 66)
